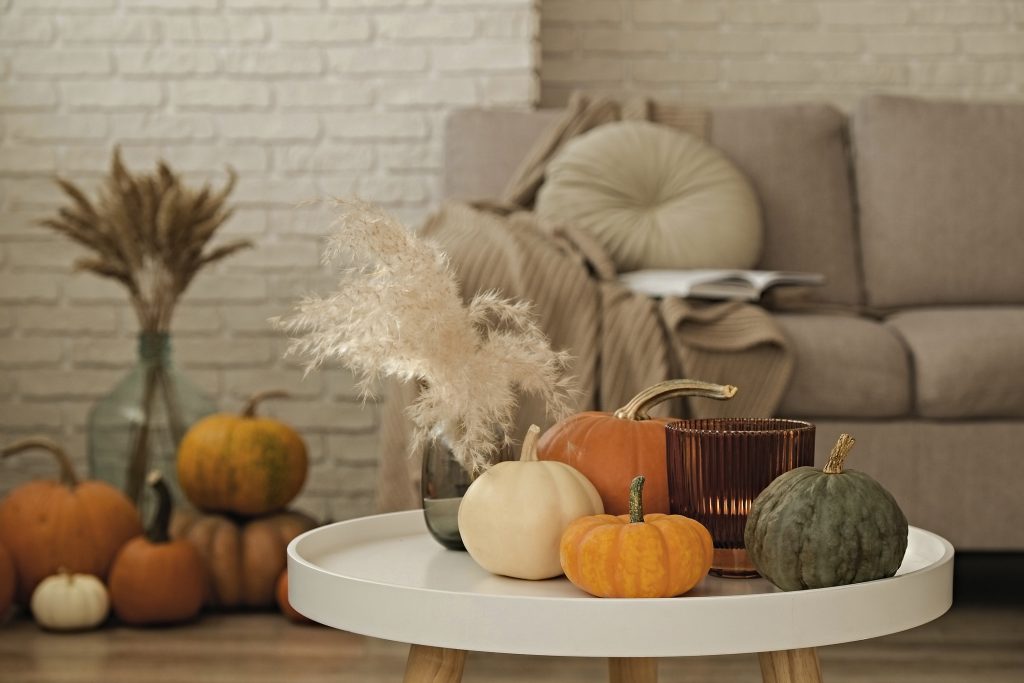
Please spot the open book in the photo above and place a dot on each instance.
(739, 285)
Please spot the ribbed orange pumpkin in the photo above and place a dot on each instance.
(8, 582)
(155, 580)
(243, 559)
(636, 555)
(72, 524)
(242, 464)
(609, 449)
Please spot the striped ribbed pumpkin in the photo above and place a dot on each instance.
(636, 555)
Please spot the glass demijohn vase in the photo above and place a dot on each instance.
(138, 425)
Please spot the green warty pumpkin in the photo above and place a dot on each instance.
(817, 528)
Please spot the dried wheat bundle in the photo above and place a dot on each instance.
(397, 312)
(149, 232)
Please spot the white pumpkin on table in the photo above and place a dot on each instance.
(512, 517)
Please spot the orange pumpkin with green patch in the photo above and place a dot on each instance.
(242, 464)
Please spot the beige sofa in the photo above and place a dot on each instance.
(913, 210)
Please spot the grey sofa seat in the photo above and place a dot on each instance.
(968, 361)
(845, 367)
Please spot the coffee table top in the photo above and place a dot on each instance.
(385, 577)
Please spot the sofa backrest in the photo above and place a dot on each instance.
(941, 195)
(794, 155)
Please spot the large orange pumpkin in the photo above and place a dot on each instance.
(8, 582)
(243, 559)
(610, 449)
(636, 555)
(242, 464)
(71, 524)
(155, 580)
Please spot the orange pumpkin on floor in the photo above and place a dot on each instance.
(242, 559)
(609, 449)
(285, 606)
(72, 524)
(636, 555)
(155, 580)
(8, 582)
(242, 464)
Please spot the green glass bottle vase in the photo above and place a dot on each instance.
(137, 427)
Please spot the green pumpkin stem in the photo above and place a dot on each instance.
(158, 530)
(636, 500)
(838, 454)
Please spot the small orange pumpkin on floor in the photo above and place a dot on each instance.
(636, 555)
(610, 448)
(242, 464)
(8, 582)
(293, 614)
(75, 524)
(155, 580)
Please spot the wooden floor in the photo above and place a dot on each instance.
(973, 642)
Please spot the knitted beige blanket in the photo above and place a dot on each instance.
(621, 342)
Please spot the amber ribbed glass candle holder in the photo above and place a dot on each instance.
(718, 466)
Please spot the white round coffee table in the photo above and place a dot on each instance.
(385, 577)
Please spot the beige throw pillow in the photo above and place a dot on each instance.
(654, 197)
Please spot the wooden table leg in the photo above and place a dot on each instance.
(434, 665)
(632, 670)
(791, 666)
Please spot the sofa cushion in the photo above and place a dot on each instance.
(968, 362)
(845, 367)
(796, 158)
(653, 197)
(941, 206)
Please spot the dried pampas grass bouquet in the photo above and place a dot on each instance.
(398, 313)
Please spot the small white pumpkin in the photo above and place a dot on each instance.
(512, 517)
(70, 602)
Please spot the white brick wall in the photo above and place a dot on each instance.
(757, 51)
(304, 98)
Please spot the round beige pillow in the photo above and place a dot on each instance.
(654, 197)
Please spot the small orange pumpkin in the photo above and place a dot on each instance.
(8, 582)
(77, 525)
(636, 555)
(609, 449)
(155, 580)
(242, 464)
(286, 607)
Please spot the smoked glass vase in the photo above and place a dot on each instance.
(138, 425)
(442, 486)
(718, 466)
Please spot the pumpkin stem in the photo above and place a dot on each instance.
(838, 454)
(636, 500)
(68, 476)
(249, 409)
(158, 530)
(529, 450)
(638, 406)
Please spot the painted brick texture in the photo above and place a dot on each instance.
(304, 98)
(758, 51)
